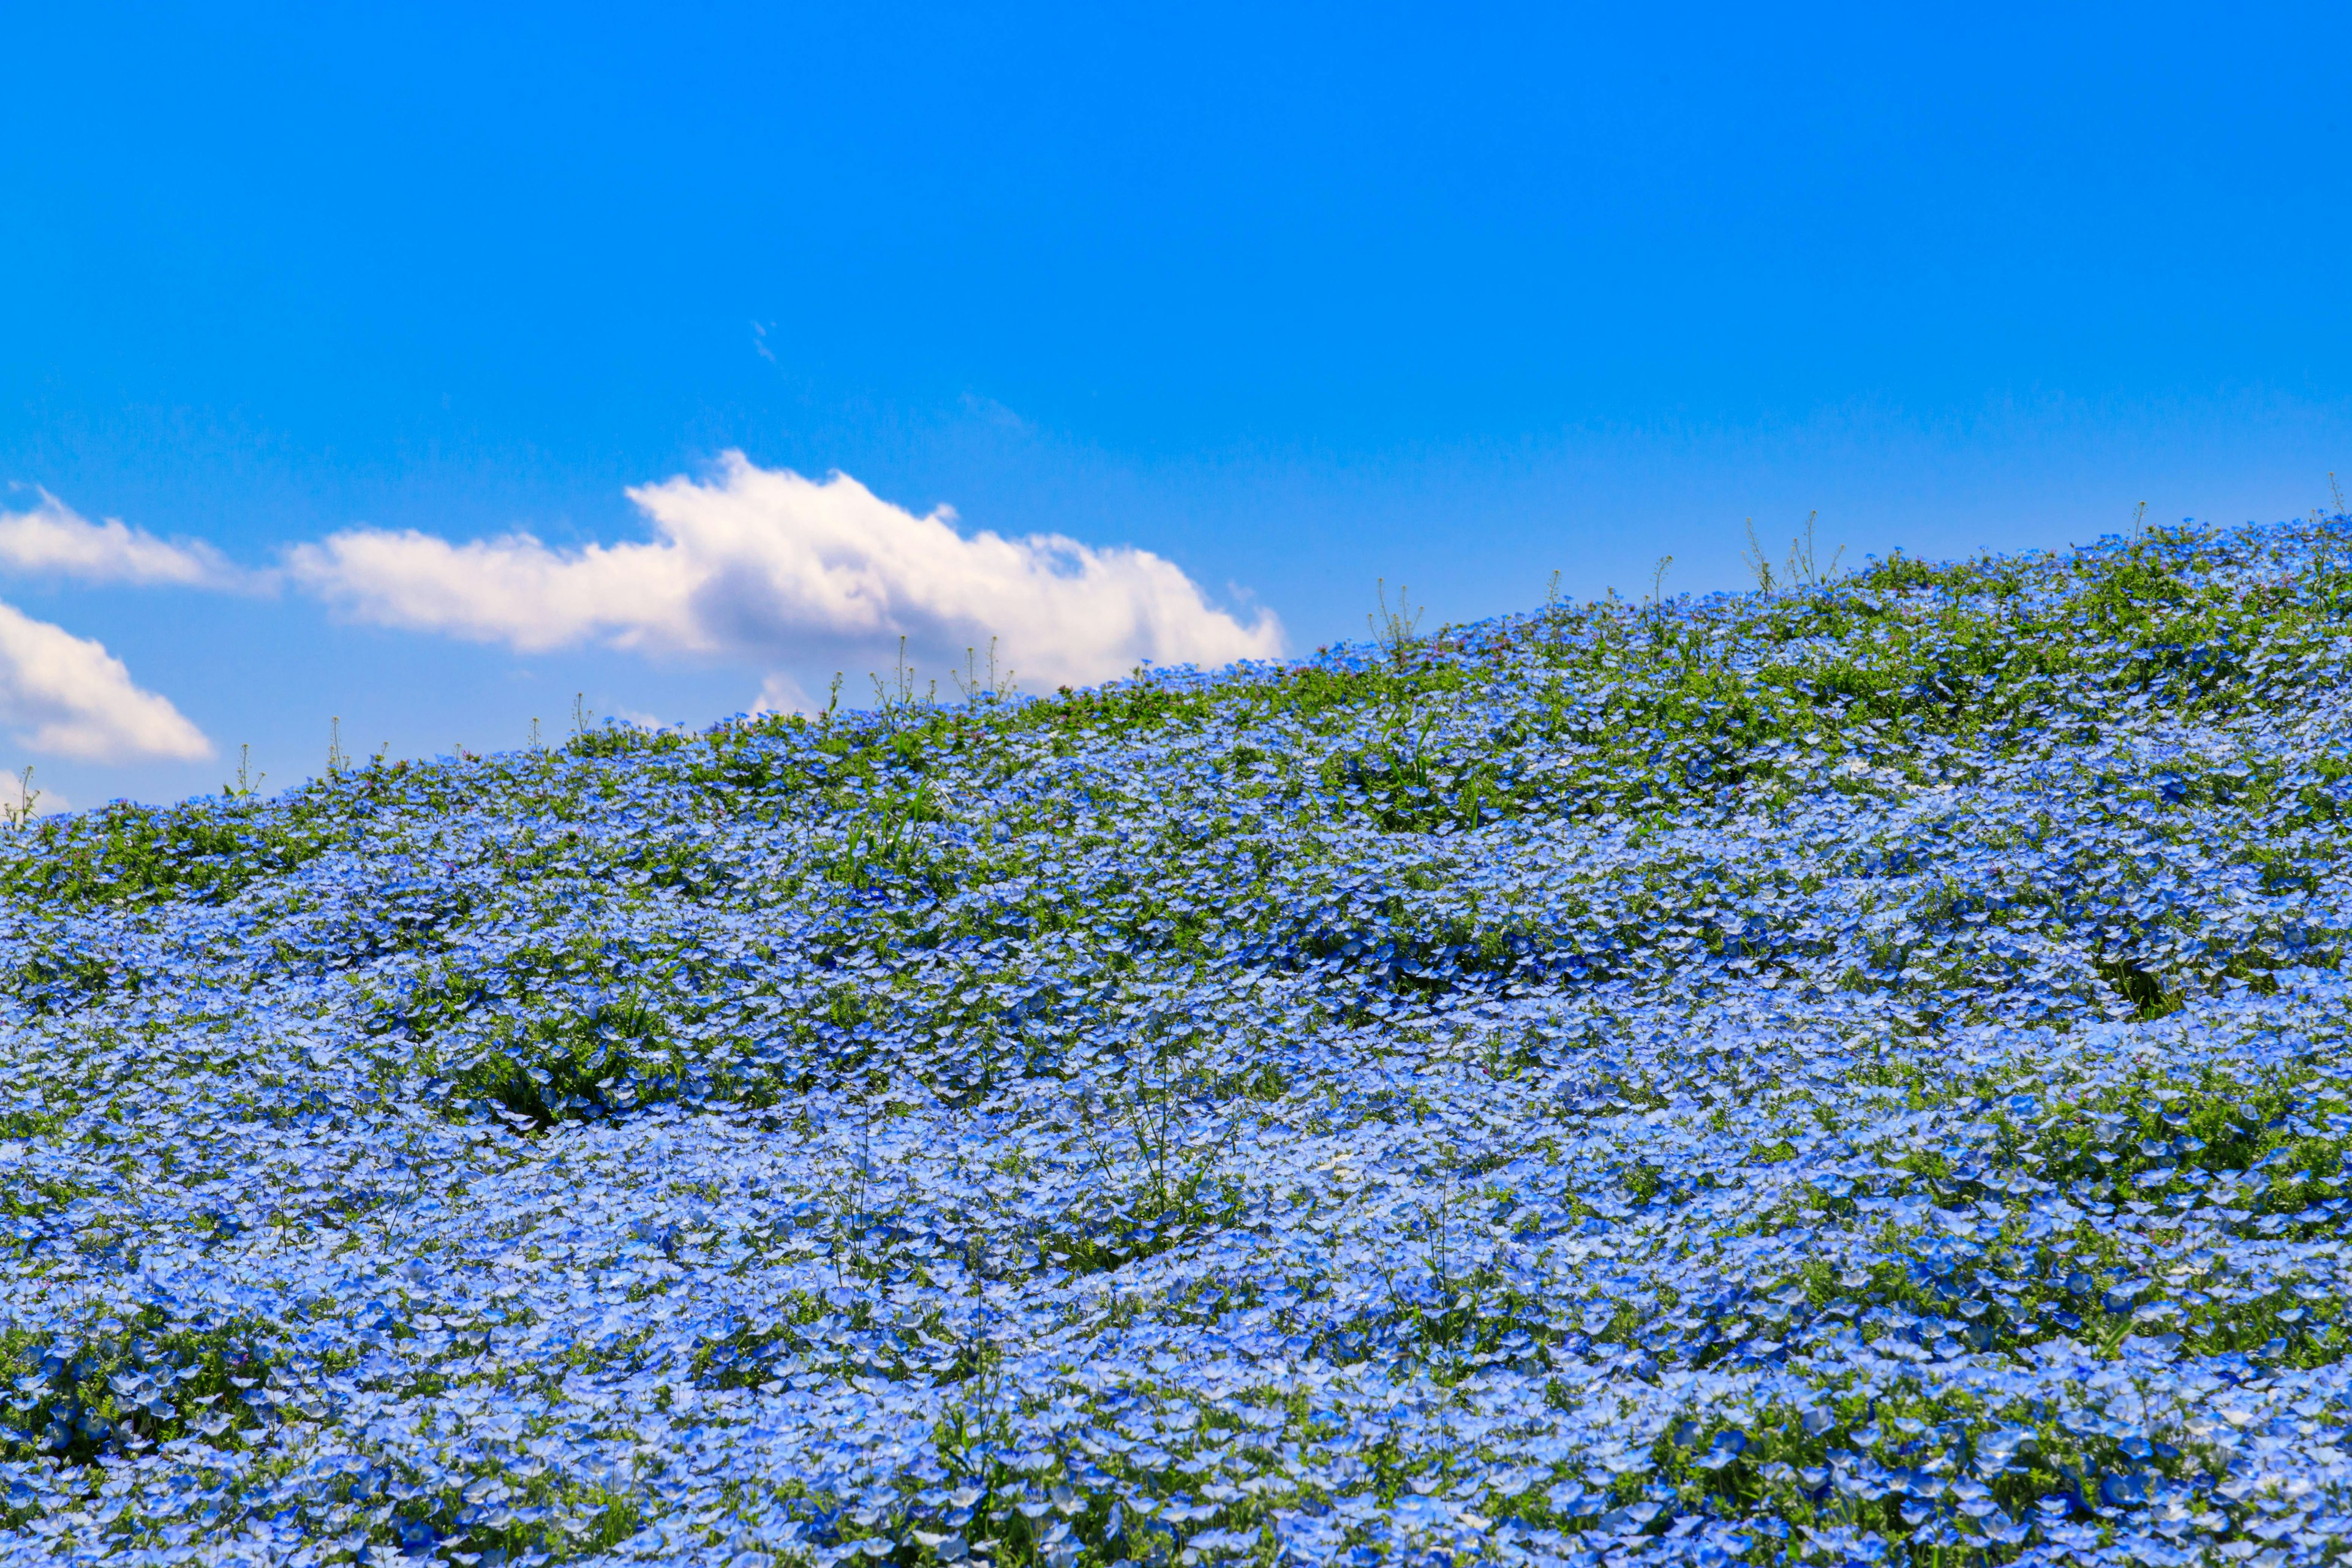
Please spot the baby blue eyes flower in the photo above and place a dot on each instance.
(1726, 1446)
(1630, 1080)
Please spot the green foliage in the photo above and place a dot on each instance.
(125, 854)
(151, 1381)
(585, 1066)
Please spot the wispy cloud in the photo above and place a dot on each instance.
(67, 696)
(52, 539)
(778, 569)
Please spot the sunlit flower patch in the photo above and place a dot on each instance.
(1858, 1074)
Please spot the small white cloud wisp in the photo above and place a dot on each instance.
(776, 568)
(52, 539)
(67, 696)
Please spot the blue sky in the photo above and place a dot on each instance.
(1250, 306)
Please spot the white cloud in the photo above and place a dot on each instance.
(41, 800)
(67, 696)
(54, 539)
(771, 566)
(779, 693)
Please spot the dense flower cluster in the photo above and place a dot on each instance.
(1858, 1073)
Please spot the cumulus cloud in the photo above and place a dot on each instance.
(772, 567)
(53, 540)
(31, 797)
(779, 693)
(67, 696)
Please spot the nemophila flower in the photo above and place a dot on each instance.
(1852, 1074)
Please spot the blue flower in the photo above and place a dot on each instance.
(1377, 1101)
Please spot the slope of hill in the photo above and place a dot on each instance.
(1858, 1073)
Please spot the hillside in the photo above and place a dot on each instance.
(1856, 1072)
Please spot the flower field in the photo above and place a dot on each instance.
(1858, 1073)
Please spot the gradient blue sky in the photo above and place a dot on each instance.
(1292, 297)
